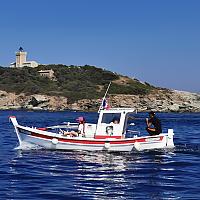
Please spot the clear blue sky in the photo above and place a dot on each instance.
(157, 41)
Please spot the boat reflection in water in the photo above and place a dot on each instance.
(95, 175)
(119, 176)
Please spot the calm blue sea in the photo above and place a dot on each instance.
(32, 174)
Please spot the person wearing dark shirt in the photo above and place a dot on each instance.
(153, 124)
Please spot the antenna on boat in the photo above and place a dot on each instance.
(104, 98)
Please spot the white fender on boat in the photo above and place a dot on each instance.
(54, 141)
(137, 146)
(107, 145)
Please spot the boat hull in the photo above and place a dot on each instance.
(50, 140)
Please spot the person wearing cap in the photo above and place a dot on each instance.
(81, 128)
(153, 124)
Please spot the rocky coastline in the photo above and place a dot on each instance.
(160, 100)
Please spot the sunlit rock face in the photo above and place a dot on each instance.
(158, 100)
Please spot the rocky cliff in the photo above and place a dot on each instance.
(158, 100)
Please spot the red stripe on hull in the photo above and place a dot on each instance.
(107, 137)
(117, 141)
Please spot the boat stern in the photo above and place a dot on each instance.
(161, 141)
(170, 138)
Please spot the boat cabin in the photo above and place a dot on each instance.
(112, 123)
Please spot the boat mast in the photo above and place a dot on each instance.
(104, 97)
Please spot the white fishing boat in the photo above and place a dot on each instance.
(104, 135)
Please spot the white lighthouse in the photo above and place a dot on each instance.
(21, 60)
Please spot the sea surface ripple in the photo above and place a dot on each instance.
(34, 173)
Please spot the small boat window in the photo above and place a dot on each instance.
(111, 117)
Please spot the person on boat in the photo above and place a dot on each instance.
(81, 126)
(153, 124)
(115, 120)
(80, 131)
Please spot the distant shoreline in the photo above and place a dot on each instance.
(162, 101)
(81, 111)
(81, 88)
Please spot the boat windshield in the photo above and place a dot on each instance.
(111, 117)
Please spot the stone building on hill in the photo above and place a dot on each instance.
(21, 60)
(47, 73)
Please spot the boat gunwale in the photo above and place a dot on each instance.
(61, 137)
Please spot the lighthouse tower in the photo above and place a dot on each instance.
(20, 57)
(21, 60)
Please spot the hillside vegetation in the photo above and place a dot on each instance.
(74, 82)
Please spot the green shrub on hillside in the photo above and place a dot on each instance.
(74, 82)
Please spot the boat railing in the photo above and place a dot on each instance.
(132, 133)
(64, 125)
(119, 109)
